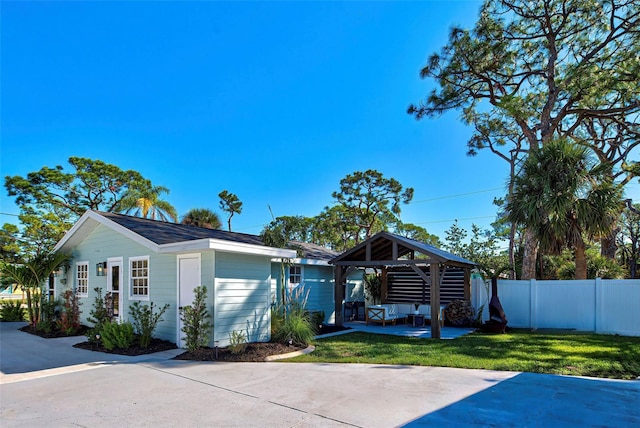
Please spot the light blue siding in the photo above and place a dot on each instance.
(103, 243)
(242, 297)
(318, 287)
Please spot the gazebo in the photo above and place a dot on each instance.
(424, 270)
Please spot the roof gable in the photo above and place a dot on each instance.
(388, 247)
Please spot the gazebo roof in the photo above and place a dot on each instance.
(386, 248)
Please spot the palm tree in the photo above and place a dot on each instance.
(202, 217)
(146, 203)
(563, 198)
(31, 275)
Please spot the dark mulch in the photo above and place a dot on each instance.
(53, 334)
(254, 352)
(157, 345)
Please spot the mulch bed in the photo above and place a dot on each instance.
(254, 352)
(157, 345)
(53, 334)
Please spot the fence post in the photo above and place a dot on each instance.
(533, 302)
(598, 306)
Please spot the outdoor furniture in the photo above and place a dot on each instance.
(383, 314)
(416, 320)
(350, 311)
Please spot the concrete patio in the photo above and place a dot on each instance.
(408, 330)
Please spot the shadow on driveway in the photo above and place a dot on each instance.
(531, 400)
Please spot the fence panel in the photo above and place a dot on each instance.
(566, 304)
(620, 307)
(605, 306)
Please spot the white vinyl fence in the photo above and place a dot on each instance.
(598, 305)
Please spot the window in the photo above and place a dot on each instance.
(82, 278)
(295, 275)
(139, 277)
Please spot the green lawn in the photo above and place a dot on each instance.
(565, 353)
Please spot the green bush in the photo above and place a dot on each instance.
(12, 311)
(195, 321)
(145, 321)
(316, 318)
(117, 335)
(237, 341)
(295, 330)
(277, 320)
(99, 315)
(69, 320)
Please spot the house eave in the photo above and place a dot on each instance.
(224, 246)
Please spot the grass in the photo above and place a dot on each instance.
(566, 353)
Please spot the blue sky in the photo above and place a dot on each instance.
(273, 101)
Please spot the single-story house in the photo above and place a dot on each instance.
(144, 260)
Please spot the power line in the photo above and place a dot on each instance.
(459, 219)
(455, 196)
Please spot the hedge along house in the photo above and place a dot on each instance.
(309, 276)
(411, 271)
(145, 260)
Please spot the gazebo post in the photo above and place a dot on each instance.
(435, 300)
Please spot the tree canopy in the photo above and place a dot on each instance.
(533, 71)
(230, 203)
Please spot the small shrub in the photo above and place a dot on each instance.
(195, 321)
(69, 320)
(145, 321)
(295, 330)
(50, 310)
(237, 341)
(100, 314)
(12, 311)
(117, 335)
(277, 320)
(316, 318)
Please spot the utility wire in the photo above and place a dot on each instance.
(455, 196)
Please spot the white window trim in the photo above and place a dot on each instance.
(77, 280)
(130, 282)
(295, 284)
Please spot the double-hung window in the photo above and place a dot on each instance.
(139, 277)
(82, 279)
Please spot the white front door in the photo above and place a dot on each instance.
(188, 279)
(115, 286)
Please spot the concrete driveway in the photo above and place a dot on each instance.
(97, 389)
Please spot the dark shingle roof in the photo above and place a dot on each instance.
(161, 232)
(313, 251)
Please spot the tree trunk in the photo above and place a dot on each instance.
(512, 251)
(580, 255)
(608, 245)
(529, 255)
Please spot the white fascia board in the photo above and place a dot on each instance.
(225, 246)
(298, 261)
(74, 230)
(90, 220)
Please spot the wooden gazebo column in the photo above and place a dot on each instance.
(434, 269)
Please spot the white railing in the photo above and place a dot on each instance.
(598, 305)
